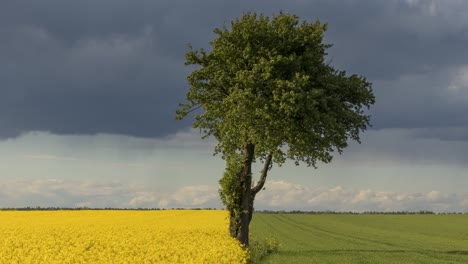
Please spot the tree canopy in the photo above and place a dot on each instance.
(264, 91)
(266, 82)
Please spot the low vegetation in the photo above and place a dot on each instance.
(261, 248)
(364, 238)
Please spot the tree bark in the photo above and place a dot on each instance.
(246, 201)
(239, 225)
(261, 182)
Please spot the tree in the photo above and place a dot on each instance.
(266, 94)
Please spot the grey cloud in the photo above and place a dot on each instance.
(446, 134)
(103, 85)
(438, 146)
(432, 100)
(116, 67)
(94, 75)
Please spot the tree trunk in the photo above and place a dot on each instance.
(241, 209)
(245, 218)
(246, 201)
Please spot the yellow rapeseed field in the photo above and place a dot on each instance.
(169, 236)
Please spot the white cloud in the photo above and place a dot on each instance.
(278, 195)
(282, 193)
(163, 203)
(143, 198)
(91, 193)
(288, 196)
(194, 195)
(184, 197)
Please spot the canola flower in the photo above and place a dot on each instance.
(169, 236)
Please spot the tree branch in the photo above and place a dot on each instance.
(261, 182)
(193, 109)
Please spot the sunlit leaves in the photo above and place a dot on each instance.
(265, 82)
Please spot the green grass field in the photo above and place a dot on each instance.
(364, 238)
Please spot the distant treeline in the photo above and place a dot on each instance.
(38, 208)
(351, 212)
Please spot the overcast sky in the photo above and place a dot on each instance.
(89, 89)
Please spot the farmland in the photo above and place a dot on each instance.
(364, 238)
(200, 236)
(169, 236)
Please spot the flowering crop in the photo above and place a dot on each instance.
(169, 236)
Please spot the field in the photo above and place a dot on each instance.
(364, 238)
(200, 236)
(186, 236)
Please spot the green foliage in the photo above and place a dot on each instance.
(265, 82)
(230, 191)
(265, 92)
(364, 238)
(262, 248)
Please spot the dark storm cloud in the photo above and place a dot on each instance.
(85, 67)
(90, 67)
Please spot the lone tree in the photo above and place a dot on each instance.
(266, 94)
